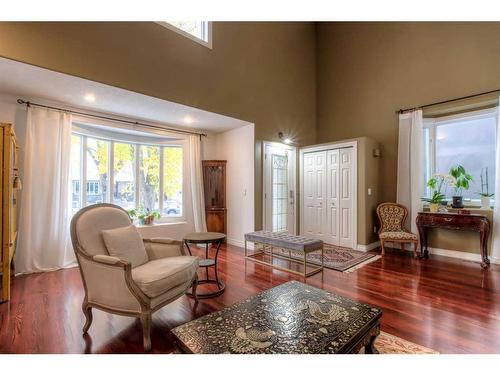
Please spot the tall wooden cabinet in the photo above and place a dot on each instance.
(214, 183)
(9, 174)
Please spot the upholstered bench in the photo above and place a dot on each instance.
(299, 244)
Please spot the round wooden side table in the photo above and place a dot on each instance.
(207, 238)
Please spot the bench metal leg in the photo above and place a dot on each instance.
(304, 273)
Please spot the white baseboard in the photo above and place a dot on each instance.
(368, 247)
(240, 243)
(472, 257)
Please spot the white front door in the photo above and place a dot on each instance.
(279, 187)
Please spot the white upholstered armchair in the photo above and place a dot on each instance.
(135, 287)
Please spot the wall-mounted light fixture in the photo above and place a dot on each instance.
(285, 140)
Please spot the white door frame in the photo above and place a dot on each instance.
(293, 177)
(326, 147)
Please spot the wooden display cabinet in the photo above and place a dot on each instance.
(214, 183)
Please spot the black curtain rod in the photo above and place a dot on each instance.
(136, 123)
(448, 101)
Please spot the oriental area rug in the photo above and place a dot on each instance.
(389, 344)
(337, 258)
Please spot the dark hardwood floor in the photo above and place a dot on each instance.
(446, 304)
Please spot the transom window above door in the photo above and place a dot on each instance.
(466, 139)
(132, 175)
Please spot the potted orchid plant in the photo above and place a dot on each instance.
(485, 192)
(436, 183)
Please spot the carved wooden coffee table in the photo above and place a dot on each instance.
(290, 318)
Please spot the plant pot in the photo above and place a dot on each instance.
(485, 203)
(434, 207)
(458, 202)
(148, 220)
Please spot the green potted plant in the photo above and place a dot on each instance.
(485, 192)
(461, 181)
(145, 216)
(436, 183)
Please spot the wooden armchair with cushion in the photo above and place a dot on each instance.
(123, 273)
(392, 218)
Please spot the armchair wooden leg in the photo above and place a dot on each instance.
(415, 247)
(382, 246)
(146, 330)
(87, 311)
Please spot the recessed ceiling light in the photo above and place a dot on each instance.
(90, 97)
(188, 120)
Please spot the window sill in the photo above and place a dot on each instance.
(159, 224)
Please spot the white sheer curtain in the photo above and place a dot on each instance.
(44, 239)
(196, 174)
(495, 242)
(410, 164)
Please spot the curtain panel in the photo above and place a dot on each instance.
(410, 182)
(196, 174)
(44, 242)
(495, 240)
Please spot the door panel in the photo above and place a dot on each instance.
(332, 218)
(346, 198)
(309, 188)
(320, 197)
(315, 194)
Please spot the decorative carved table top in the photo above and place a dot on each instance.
(290, 318)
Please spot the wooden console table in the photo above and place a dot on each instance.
(470, 222)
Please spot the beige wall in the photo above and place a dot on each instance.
(237, 147)
(263, 73)
(367, 71)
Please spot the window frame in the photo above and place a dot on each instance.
(431, 123)
(162, 144)
(207, 29)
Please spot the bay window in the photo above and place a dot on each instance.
(135, 174)
(467, 139)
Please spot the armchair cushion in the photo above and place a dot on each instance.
(125, 243)
(159, 276)
(398, 236)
